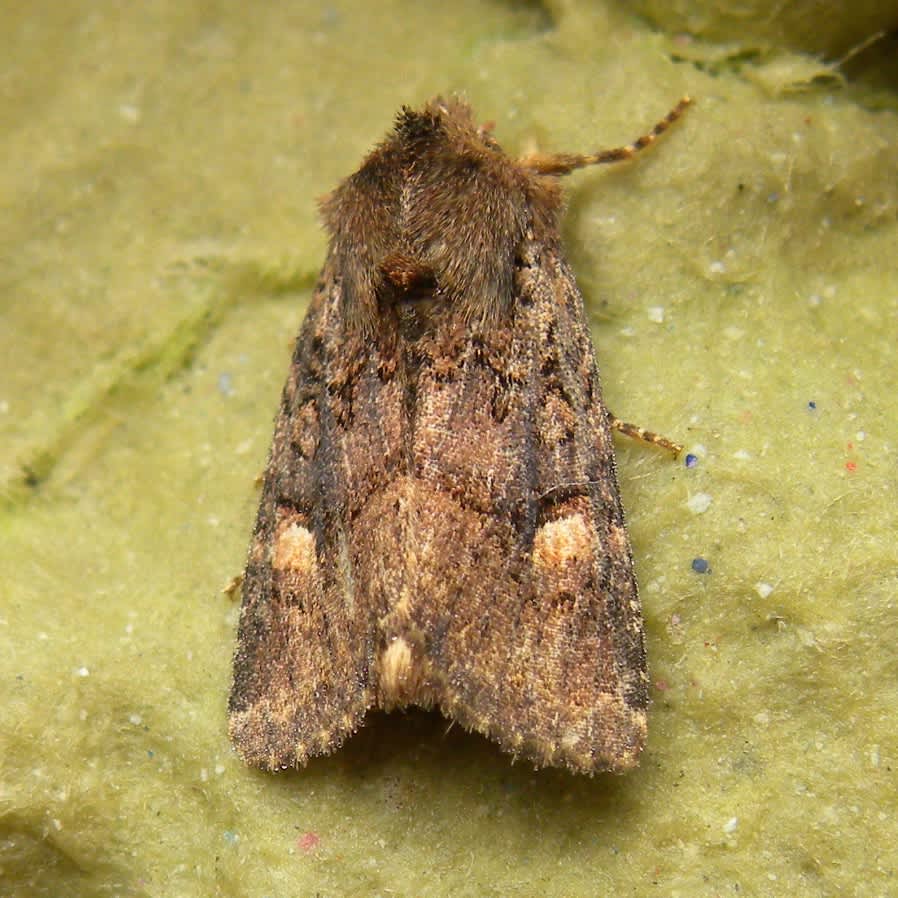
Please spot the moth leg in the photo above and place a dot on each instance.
(565, 163)
(233, 586)
(644, 436)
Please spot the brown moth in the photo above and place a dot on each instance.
(440, 523)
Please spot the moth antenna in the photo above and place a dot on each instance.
(564, 163)
(643, 435)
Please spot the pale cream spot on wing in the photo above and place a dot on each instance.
(395, 667)
(566, 539)
(294, 548)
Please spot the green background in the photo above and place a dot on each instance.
(159, 241)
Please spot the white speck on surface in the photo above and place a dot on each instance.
(742, 455)
(717, 267)
(731, 825)
(225, 384)
(129, 113)
(656, 314)
(763, 589)
(135, 719)
(82, 672)
(860, 436)
(699, 503)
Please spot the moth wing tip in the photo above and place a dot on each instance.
(268, 745)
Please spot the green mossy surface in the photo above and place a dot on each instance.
(159, 242)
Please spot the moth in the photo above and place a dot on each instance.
(440, 523)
